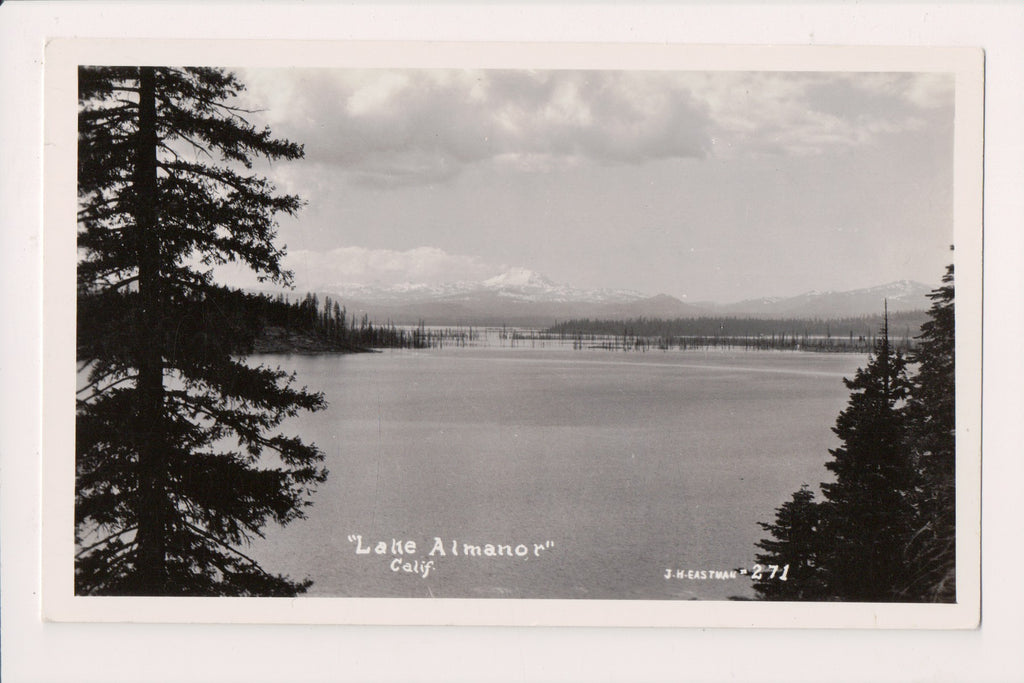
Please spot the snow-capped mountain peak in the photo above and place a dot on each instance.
(901, 288)
(519, 278)
(514, 284)
(901, 295)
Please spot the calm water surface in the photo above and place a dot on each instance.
(607, 468)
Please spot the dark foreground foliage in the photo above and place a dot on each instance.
(885, 529)
(178, 459)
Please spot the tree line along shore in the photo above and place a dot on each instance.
(313, 325)
(842, 334)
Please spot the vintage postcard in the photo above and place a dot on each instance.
(439, 333)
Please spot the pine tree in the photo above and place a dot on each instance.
(931, 413)
(794, 551)
(175, 441)
(868, 509)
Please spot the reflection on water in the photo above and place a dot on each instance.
(548, 471)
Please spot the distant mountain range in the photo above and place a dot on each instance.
(902, 295)
(525, 298)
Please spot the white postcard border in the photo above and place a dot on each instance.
(59, 602)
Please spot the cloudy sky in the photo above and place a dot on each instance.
(709, 186)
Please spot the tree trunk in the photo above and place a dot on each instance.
(151, 499)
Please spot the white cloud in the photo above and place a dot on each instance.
(811, 113)
(373, 98)
(360, 265)
(394, 128)
(931, 91)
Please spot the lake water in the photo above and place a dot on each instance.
(590, 473)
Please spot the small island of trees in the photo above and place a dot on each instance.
(854, 335)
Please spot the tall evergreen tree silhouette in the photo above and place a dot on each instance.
(868, 509)
(177, 462)
(931, 413)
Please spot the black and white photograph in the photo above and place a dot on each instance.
(579, 342)
(647, 335)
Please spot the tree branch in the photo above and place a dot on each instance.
(108, 539)
(227, 547)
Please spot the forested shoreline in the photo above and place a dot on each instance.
(312, 325)
(308, 325)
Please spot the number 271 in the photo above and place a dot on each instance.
(759, 570)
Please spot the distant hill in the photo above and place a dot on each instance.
(515, 297)
(525, 298)
(498, 308)
(903, 295)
